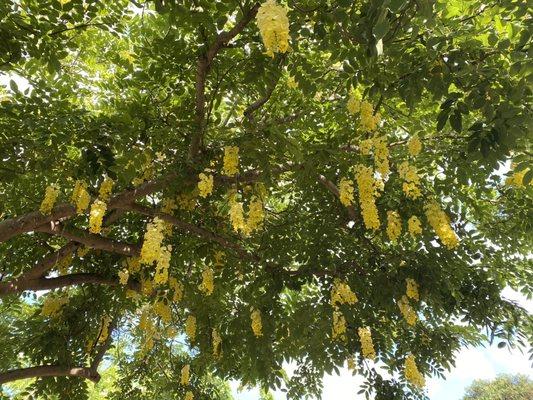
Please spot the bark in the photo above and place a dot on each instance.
(49, 370)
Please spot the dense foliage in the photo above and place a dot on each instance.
(204, 190)
(508, 387)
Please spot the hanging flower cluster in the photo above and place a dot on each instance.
(96, 216)
(366, 186)
(414, 226)
(411, 372)
(80, 196)
(381, 155)
(50, 197)
(153, 238)
(190, 328)
(367, 346)
(368, 121)
(407, 311)
(338, 331)
(52, 305)
(411, 185)
(207, 286)
(123, 276)
(440, 223)
(291, 83)
(341, 293)
(187, 201)
(365, 146)
(257, 325)
(412, 289)
(205, 185)
(189, 396)
(516, 179)
(105, 189)
(256, 214)
(104, 329)
(163, 264)
(346, 190)
(185, 375)
(177, 289)
(394, 226)
(414, 146)
(231, 160)
(217, 341)
(274, 27)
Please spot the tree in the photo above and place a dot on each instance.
(215, 188)
(509, 387)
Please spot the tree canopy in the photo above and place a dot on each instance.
(199, 190)
(508, 387)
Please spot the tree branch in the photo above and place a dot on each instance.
(333, 189)
(49, 370)
(203, 67)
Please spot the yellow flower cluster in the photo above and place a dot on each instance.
(411, 372)
(366, 186)
(177, 288)
(351, 363)
(353, 105)
(217, 341)
(105, 189)
(80, 196)
(82, 251)
(104, 329)
(368, 121)
(236, 214)
(346, 192)
(407, 311)
(187, 201)
(257, 324)
(394, 226)
(50, 197)
(205, 184)
(516, 179)
(367, 346)
(153, 237)
(338, 331)
(52, 305)
(96, 216)
(365, 146)
(414, 225)
(168, 206)
(123, 276)
(274, 27)
(189, 396)
(341, 293)
(256, 215)
(190, 328)
(412, 289)
(231, 160)
(185, 375)
(291, 82)
(132, 264)
(207, 286)
(381, 155)
(63, 264)
(163, 310)
(440, 223)
(412, 181)
(414, 145)
(219, 259)
(163, 264)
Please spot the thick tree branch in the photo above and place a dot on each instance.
(203, 66)
(49, 370)
(256, 105)
(190, 228)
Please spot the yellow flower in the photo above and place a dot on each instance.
(441, 224)
(411, 372)
(368, 121)
(236, 213)
(412, 289)
(516, 179)
(177, 288)
(353, 105)
(80, 197)
(207, 286)
(256, 216)
(341, 293)
(346, 192)
(104, 329)
(291, 82)
(367, 346)
(409, 174)
(185, 375)
(105, 189)
(153, 237)
(407, 311)
(96, 216)
(189, 396)
(163, 264)
(274, 27)
(394, 226)
(52, 305)
(365, 146)
(205, 185)
(82, 251)
(186, 201)
(123, 276)
(217, 340)
(231, 160)
(338, 331)
(50, 197)
(168, 206)
(190, 328)
(414, 146)
(257, 325)
(381, 155)
(414, 226)
(367, 190)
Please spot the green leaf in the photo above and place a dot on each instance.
(456, 121)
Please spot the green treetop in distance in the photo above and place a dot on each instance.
(198, 191)
(508, 387)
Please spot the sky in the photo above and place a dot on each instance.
(471, 363)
